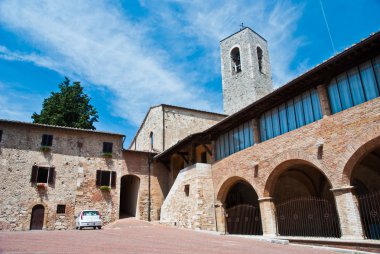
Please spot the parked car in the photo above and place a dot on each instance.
(88, 218)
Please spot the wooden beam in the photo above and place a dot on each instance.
(207, 149)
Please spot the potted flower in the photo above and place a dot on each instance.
(105, 188)
(45, 149)
(41, 186)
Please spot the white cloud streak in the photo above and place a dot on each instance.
(144, 63)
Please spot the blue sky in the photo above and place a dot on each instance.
(130, 55)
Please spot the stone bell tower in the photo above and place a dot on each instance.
(246, 70)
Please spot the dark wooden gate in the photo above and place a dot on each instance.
(307, 216)
(244, 220)
(369, 206)
(37, 220)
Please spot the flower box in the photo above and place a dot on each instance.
(41, 186)
(107, 155)
(105, 188)
(45, 149)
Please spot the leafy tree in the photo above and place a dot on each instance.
(69, 107)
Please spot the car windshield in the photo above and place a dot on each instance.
(90, 213)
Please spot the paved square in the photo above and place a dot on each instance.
(133, 236)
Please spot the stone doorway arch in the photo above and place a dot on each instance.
(129, 193)
(364, 176)
(241, 207)
(304, 204)
(37, 217)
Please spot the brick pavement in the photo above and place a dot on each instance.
(133, 236)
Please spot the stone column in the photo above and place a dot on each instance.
(348, 211)
(268, 217)
(256, 130)
(220, 217)
(324, 100)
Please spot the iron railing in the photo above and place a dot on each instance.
(244, 220)
(307, 217)
(369, 207)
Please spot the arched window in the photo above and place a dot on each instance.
(260, 58)
(235, 60)
(151, 140)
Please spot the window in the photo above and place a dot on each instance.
(234, 140)
(43, 175)
(204, 157)
(61, 209)
(235, 60)
(260, 58)
(47, 140)
(359, 84)
(106, 178)
(293, 114)
(1, 134)
(107, 147)
(187, 190)
(151, 140)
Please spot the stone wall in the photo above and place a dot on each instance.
(137, 163)
(153, 122)
(180, 123)
(192, 207)
(75, 155)
(169, 124)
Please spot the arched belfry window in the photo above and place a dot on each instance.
(235, 60)
(260, 58)
(151, 140)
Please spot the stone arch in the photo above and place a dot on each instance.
(287, 159)
(129, 195)
(30, 212)
(356, 152)
(240, 207)
(226, 186)
(235, 56)
(260, 58)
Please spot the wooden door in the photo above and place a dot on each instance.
(37, 221)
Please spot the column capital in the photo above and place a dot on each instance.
(343, 189)
(265, 199)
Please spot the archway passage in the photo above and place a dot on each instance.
(37, 219)
(305, 206)
(242, 210)
(366, 178)
(129, 191)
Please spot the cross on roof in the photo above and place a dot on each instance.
(241, 26)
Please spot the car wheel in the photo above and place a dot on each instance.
(80, 228)
(99, 227)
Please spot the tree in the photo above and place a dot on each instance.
(69, 107)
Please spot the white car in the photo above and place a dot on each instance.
(89, 218)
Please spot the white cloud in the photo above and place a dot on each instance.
(144, 63)
(93, 41)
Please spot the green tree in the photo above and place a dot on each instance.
(69, 107)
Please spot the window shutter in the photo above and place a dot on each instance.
(113, 179)
(50, 140)
(33, 177)
(98, 177)
(51, 180)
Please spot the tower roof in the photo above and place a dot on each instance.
(245, 28)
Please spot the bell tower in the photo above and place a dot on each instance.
(246, 70)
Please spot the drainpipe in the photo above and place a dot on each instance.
(149, 198)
